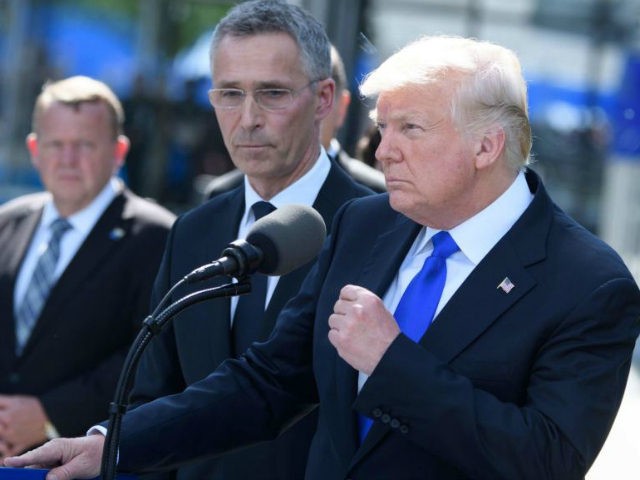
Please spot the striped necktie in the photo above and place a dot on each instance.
(40, 284)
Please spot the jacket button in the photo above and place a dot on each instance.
(386, 418)
(404, 429)
(377, 413)
(395, 423)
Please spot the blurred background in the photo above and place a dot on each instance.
(581, 59)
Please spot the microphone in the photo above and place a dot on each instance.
(278, 243)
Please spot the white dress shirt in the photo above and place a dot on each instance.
(475, 237)
(302, 192)
(82, 223)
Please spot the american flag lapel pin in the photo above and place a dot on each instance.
(506, 285)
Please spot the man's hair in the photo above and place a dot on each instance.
(489, 87)
(273, 16)
(74, 91)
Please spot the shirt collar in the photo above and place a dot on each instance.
(303, 191)
(85, 219)
(479, 234)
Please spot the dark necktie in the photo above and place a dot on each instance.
(40, 284)
(419, 301)
(248, 318)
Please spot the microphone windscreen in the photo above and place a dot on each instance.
(288, 237)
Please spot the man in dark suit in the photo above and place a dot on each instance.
(291, 168)
(61, 348)
(329, 127)
(518, 369)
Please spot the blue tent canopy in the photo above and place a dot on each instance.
(88, 42)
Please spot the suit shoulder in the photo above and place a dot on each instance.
(217, 207)
(372, 205)
(581, 250)
(363, 173)
(365, 212)
(24, 204)
(343, 186)
(147, 211)
(223, 183)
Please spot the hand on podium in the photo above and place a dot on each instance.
(68, 458)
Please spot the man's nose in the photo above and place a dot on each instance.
(70, 153)
(251, 113)
(386, 151)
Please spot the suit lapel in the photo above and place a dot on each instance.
(386, 255)
(21, 239)
(205, 327)
(481, 300)
(458, 325)
(12, 255)
(111, 228)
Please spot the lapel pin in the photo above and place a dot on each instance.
(116, 234)
(506, 285)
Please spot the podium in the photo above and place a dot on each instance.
(7, 473)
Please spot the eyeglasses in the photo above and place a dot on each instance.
(269, 99)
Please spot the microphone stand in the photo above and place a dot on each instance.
(150, 327)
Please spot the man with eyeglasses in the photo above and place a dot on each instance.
(272, 87)
(329, 127)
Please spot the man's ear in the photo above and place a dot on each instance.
(32, 145)
(344, 101)
(121, 150)
(326, 91)
(490, 147)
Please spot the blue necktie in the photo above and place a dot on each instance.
(419, 301)
(247, 320)
(40, 285)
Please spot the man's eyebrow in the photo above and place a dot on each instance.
(271, 84)
(255, 86)
(408, 116)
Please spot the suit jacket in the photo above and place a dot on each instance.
(518, 385)
(72, 359)
(198, 339)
